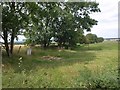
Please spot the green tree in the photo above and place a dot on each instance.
(61, 20)
(12, 22)
(74, 18)
(41, 30)
(82, 39)
(64, 21)
(91, 38)
(100, 39)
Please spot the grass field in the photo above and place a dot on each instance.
(96, 67)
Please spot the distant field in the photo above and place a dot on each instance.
(83, 67)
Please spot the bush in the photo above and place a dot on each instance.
(100, 39)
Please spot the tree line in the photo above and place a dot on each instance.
(90, 39)
(39, 21)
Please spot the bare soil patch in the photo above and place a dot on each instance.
(50, 58)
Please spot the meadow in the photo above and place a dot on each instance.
(82, 67)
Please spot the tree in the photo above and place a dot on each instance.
(12, 21)
(74, 18)
(100, 39)
(91, 38)
(40, 30)
(82, 39)
(62, 20)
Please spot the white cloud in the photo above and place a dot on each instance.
(107, 19)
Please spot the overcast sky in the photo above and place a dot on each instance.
(107, 19)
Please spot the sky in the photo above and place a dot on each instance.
(107, 19)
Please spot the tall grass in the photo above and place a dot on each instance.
(83, 67)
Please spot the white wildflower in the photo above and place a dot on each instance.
(20, 58)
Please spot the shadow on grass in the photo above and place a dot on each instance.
(34, 61)
(68, 59)
(90, 47)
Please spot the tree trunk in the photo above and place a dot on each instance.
(6, 43)
(7, 49)
(12, 41)
(45, 44)
(48, 44)
(60, 45)
(13, 32)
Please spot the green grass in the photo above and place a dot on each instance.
(83, 67)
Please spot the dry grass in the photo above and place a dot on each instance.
(82, 67)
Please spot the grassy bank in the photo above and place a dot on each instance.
(93, 67)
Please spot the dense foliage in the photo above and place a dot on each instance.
(92, 38)
(63, 21)
(100, 39)
(39, 21)
(13, 19)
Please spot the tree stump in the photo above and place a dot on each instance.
(29, 50)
